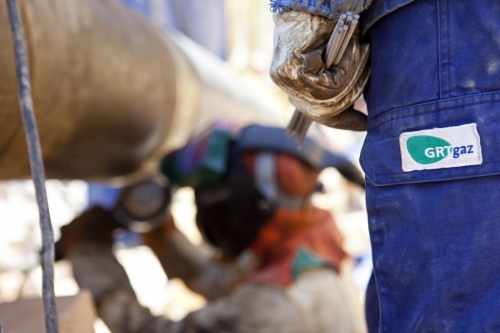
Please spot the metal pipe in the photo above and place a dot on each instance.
(112, 93)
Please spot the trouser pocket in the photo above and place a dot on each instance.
(433, 200)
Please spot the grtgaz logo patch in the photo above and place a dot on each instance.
(441, 148)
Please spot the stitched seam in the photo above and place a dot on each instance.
(449, 48)
(444, 42)
(445, 177)
(447, 108)
(439, 179)
(402, 109)
(439, 49)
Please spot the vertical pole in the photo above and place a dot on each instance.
(36, 163)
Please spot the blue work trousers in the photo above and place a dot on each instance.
(435, 231)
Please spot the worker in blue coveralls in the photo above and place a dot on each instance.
(431, 156)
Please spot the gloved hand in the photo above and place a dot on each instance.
(87, 242)
(320, 93)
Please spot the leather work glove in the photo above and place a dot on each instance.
(325, 95)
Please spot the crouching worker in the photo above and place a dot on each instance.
(280, 264)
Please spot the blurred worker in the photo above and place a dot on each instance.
(280, 265)
(431, 155)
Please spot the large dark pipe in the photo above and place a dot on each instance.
(112, 93)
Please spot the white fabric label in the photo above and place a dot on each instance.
(439, 148)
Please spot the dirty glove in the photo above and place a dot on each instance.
(322, 94)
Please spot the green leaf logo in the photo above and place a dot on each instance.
(426, 149)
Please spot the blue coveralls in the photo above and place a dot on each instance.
(434, 232)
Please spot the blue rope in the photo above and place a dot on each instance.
(36, 163)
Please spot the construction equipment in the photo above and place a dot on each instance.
(112, 93)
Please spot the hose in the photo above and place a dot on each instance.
(36, 164)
